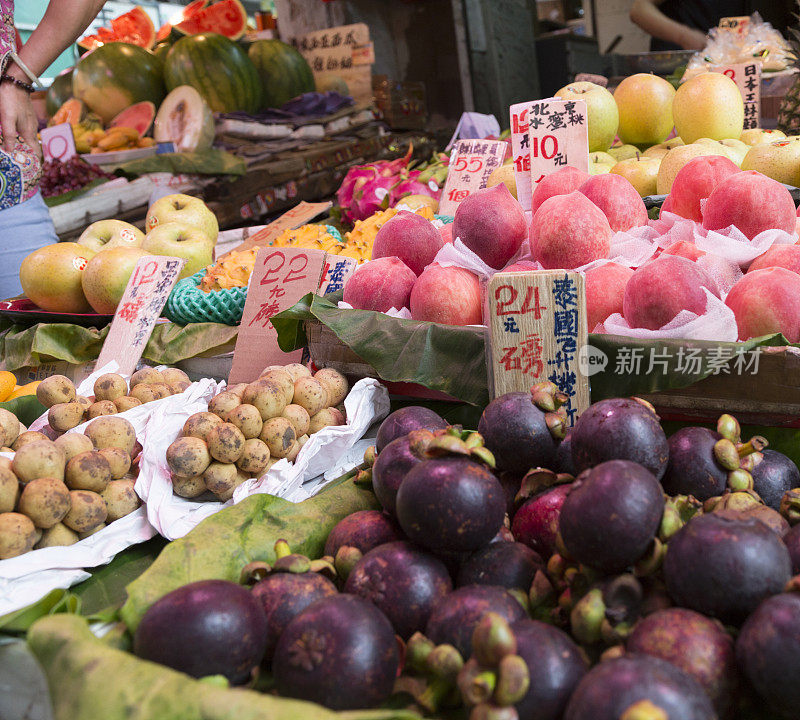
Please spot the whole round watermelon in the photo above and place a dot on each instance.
(115, 76)
(284, 72)
(161, 50)
(218, 69)
(59, 92)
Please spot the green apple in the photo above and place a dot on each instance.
(596, 168)
(645, 109)
(602, 157)
(708, 106)
(756, 136)
(51, 277)
(105, 234)
(623, 152)
(186, 210)
(676, 158)
(641, 172)
(106, 276)
(779, 160)
(182, 241)
(601, 112)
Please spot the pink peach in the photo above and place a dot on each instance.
(618, 199)
(409, 237)
(561, 182)
(491, 223)
(521, 266)
(447, 295)
(605, 291)
(684, 248)
(661, 288)
(695, 181)
(380, 285)
(767, 301)
(785, 256)
(569, 231)
(752, 202)
(446, 231)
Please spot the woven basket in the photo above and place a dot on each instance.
(328, 351)
(187, 303)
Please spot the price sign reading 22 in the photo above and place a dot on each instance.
(275, 262)
(474, 164)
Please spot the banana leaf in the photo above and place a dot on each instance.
(205, 162)
(221, 545)
(88, 678)
(27, 408)
(22, 346)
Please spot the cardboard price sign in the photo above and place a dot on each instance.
(280, 278)
(558, 136)
(747, 77)
(471, 163)
(58, 142)
(299, 215)
(521, 152)
(335, 273)
(537, 326)
(145, 295)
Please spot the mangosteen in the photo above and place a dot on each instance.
(768, 652)
(773, 475)
(555, 666)
(697, 645)
(536, 523)
(403, 582)
(563, 462)
(450, 503)
(620, 429)
(724, 565)
(693, 468)
(364, 530)
(456, 615)
(393, 464)
(403, 421)
(340, 652)
(611, 515)
(209, 627)
(511, 565)
(771, 518)
(792, 541)
(616, 686)
(286, 589)
(517, 433)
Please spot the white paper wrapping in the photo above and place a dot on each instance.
(456, 254)
(173, 516)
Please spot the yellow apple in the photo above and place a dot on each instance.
(186, 210)
(105, 234)
(663, 148)
(676, 158)
(641, 172)
(504, 174)
(623, 152)
(709, 105)
(182, 241)
(601, 112)
(645, 109)
(603, 158)
(756, 136)
(596, 168)
(106, 275)
(51, 277)
(779, 160)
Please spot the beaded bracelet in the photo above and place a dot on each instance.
(27, 87)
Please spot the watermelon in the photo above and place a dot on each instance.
(193, 7)
(161, 50)
(218, 69)
(163, 33)
(115, 76)
(59, 92)
(185, 119)
(139, 117)
(333, 82)
(226, 17)
(284, 72)
(134, 27)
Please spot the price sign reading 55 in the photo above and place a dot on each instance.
(468, 164)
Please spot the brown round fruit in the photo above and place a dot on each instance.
(327, 417)
(112, 431)
(144, 393)
(118, 460)
(280, 437)
(282, 378)
(39, 459)
(65, 416)
(223, 404)
(310, 394)
(254, 457)
(267, 397)
(188, 456)
(17, 535)
(9, 488)
(88, 471)
(225, 443)
(174, 375)
(221, 478)
(126, 402)
(335, 385)
(101, 407)
(57, 536)
(120, 499)
(87, 511)
(110, 387)
(237, 389)
(146, 375)
(247, 419)
(73, 444)
(190, 487)
(10, 425)
(26, 437)
(54, 390)
(299, 417)
(45, 501)
(199, 424)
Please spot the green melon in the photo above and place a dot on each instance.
(59, 92)
(185, 119)
(160, 51)
(114, 76)
(284, 72)
(218, 69)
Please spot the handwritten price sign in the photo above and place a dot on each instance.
(521, 152)
(747, 77)
(335, 273)
(145, 295)
(58, 142)
(280, 278)
(558, 136)
(471, 164)
(537, 325)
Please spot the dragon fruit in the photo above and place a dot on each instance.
(410, 184)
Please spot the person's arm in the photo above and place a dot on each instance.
(646, 15)
(63, 23)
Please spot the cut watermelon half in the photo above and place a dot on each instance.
(191, 9)
(185, 119)
(134, 27)
(226, 17)
(163, 33)
(138, 116)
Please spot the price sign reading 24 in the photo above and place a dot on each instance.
(275, 263)
(465, 164)
(506, 296)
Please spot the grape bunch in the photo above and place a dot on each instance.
(60, 177)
